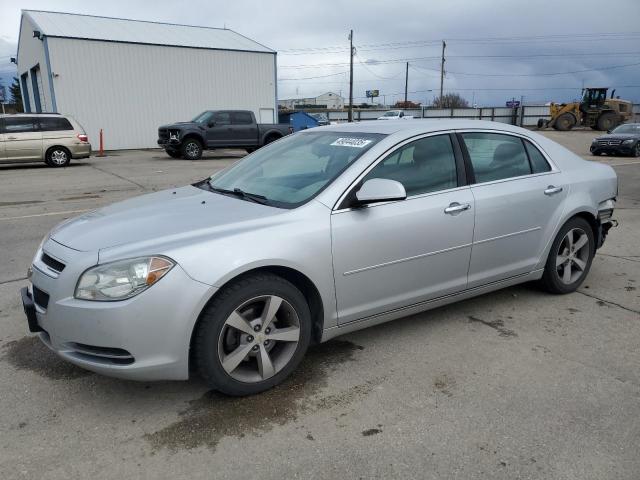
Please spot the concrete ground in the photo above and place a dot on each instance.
(514, 384)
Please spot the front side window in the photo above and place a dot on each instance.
(495, 156)
(294, 169)
(426, 165)
(631, 128)
(18, 124)
(222, 118)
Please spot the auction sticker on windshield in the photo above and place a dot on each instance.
(352, 142)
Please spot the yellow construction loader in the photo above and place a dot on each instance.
(595, 111)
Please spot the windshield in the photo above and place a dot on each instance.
(392, 113)
(632, 128)
(294, 169)
(202, 117)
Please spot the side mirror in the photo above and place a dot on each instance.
(380, 190)
(212, 123)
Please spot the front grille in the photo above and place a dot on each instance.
(40, 298)
(108, 355)
(612, 143)
(52, 263)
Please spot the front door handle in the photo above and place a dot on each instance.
(12, 138)
(551, 190)
(455, 208)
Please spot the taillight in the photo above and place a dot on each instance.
(82, 138)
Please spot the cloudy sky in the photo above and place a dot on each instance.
(496, 49)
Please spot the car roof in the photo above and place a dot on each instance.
(7, 115)
(415, 126)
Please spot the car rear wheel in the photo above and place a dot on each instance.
(636, 150)
(570, 257)
(58, 157)
(191, 149)
(252, 335)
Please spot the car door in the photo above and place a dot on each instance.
(218, 133)
(399, 253)
(519, 199)
(244, 129)
(23, 139)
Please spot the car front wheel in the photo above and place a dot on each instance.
(570, 257)
(252, 335)
(192, 149)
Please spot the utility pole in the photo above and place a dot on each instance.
(442, 72)
(406, 84)
(350, 118)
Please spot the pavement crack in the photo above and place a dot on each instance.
(629, 258)
(12, 280)
(609, 302)
(496, 325)
(120, 177)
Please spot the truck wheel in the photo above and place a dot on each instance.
(542, 123)
(271, 138)
(191, 149)
(565, 122)
(607, 121)
(174, 153)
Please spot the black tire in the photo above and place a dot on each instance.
(250, 150)
(57, 157)
(191, 149)
(209, 332)
(542, 123)
(636, 150)
(174, 153)
(551, 280)
(564, 122)
(607, 121)
(596, 153)
(271, 138)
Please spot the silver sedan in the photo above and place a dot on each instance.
(321, 233)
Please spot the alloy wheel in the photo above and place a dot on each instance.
(192, 149)
(58, 157)
(259, 339)
(573, 256)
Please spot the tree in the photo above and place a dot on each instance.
(407, 104)
(450, 100)
(16, 94)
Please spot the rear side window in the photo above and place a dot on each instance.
(241, 118)
(495, 156)
(426, 165)
(538, 162)
(54, 124)
(19, 124)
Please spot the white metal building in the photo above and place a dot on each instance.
(328, 100)
(128, 77)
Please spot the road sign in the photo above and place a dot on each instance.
(373, 93)
(513, 103)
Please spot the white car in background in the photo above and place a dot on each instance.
(394, 115)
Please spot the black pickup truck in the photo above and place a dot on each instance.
(218, 129)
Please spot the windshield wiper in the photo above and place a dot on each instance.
(252, 197)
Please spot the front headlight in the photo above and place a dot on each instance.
(629, 141)
(122, 279)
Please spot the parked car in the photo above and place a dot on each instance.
(622, 140)
(49, 137)
(324, 232)
(394, 115)
(218, 129)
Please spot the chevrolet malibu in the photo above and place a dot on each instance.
(321, 233)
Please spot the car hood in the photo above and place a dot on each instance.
(618, 136)
(181, 125)
(176, 214)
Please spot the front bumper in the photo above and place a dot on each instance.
(146, 337)
(612, 149)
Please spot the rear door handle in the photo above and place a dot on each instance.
(551, 190)
(455, 208)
